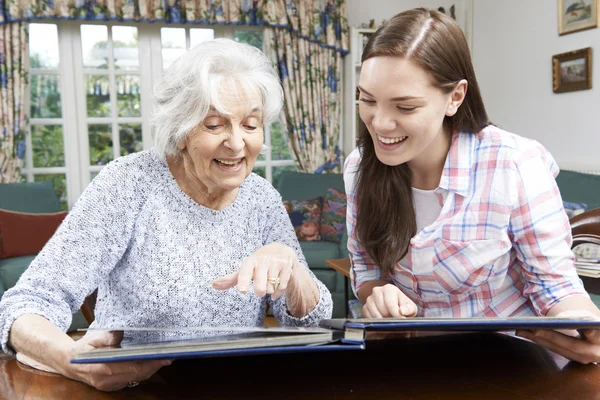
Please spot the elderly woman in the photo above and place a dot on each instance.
(181, 235)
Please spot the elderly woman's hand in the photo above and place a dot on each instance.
(109, 376)
(275, 269)
(583, 347)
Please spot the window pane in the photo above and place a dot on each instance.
(280, 149)
(128, 95)
(277, 173)
(173, 44)
(125, 47)
(255, 38)
(130, 137)
(198, 36)
(45, 96)
(94, 46)
(43, 46)
(98, 96)
(260, 171)
(101, 144)
(59, 182)
(47, 146)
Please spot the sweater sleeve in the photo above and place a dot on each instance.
(84, 249)
(278, 228)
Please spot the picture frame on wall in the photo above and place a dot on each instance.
(577, 15)
(572, 71)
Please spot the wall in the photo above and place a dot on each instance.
(512, 53)
(361, 11)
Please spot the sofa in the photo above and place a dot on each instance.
(304, 186)
(30, 198)
(578, 187)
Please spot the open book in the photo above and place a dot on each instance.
(217, 342)
(333, 334)
(355, 330)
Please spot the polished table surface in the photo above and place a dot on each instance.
(429, 366)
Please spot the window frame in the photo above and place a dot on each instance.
(74, 120)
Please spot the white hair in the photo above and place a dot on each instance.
(190, 86)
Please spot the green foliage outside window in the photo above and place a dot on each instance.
(48, 146)
(100, 143)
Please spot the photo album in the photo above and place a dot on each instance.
(337, 334)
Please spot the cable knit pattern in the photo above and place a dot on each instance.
(153, 253)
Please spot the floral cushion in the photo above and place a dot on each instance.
(333, 220)
(572, 209)
(305, 216)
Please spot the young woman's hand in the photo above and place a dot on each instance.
(583, 347)
(388, 301)
(109, 376)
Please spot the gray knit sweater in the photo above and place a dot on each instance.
(153, 253)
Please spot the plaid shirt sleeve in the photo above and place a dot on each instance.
(363, 269)
(540, 230)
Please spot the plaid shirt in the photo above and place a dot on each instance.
(502, 243)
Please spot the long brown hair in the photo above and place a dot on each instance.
(386, 218)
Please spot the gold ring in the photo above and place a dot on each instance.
(274, 282)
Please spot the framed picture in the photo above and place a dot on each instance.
(572, 71)
(576, 15)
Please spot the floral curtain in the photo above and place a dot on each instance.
(311, 77)
(316, 20)
(13, 80)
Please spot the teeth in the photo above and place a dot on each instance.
(228, 162)
(390, 140)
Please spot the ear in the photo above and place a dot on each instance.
(182, 143)
(457, 97)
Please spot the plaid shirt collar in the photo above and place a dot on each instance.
(456, 176)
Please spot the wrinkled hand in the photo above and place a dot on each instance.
(388, 301)
(583, 347)
(270, 268)
(109, 376)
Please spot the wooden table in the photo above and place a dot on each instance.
(455, 366)
(342, 265)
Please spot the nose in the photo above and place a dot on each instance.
(235, 142)
(382, 121)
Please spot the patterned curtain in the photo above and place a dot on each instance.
(311, 76)
(313, 19)
(13, 81)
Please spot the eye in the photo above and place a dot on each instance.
(366, 101)
(251, 123)
(406, 109)
(213, 122)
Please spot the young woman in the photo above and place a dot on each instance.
(449, 215)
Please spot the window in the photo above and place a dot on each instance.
(45, 155)
(90, 97)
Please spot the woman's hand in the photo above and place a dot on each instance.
(270, 268)
(583, 347)
(109, 376)
(388, 301)
(274, 269)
